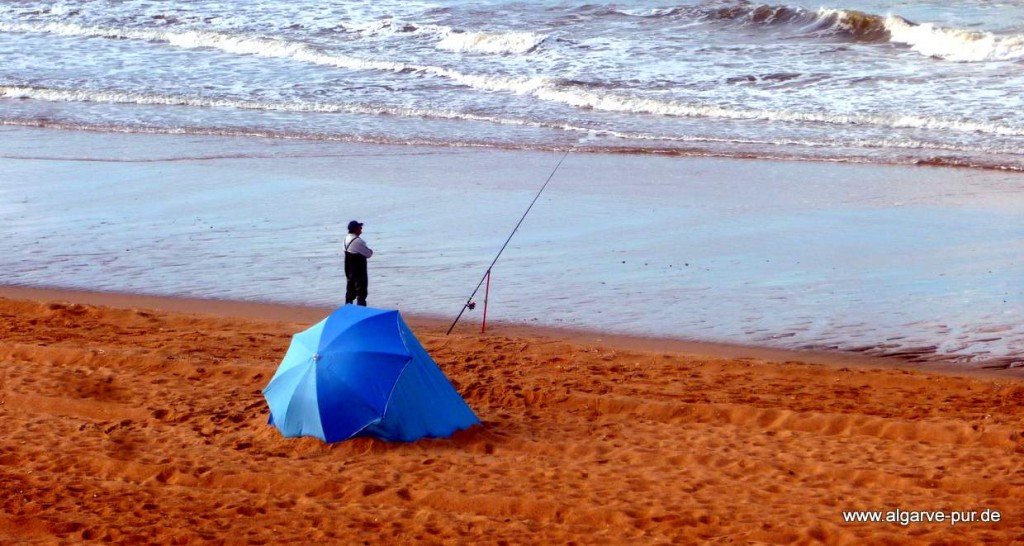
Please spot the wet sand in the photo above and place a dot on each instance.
(921, 264)
(140, 420)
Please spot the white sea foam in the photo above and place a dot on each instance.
(491, 42)
(618, 103)
(955, 44)
(390, 27)
(229, 43)
(373, 28)
(121, 97)
(449, 39)
(268, 47)
(543, 88)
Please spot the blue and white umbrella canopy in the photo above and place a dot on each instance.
(362, 372)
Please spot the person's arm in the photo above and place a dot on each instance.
(359, 247)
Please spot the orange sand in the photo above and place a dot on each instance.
(136, 425)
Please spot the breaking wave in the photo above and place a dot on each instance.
(926, 38)
(955, 44)
(543, 88)
(121, 97)
(239, 45)
(500, 43)
(386, 27)
(860, 26)
(763, 14)
(269, 47)
(491, 42)
(618, 103)
(592, 138)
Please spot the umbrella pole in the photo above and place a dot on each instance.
(487, 293)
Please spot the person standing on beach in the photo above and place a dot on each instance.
(356, 254)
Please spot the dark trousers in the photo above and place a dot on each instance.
(358, 279)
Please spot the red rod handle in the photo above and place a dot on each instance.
(487, 292)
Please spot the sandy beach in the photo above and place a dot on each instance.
(753, 272)
(140, 420)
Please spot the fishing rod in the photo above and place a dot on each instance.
(469, 302)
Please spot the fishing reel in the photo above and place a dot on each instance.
(471, 305)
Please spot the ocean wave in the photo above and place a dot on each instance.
(269, 47)
(760, 14)
(589, 133)
(128, 98)
(383, 26)
(449, 39)
(636, 105)
(391, 27)
(926, 38)
(955, 44)
(859, 26)
(854, 25)
(228, 43)
(495, 42)
(505, 43)
(656, 13)
(543, 88)
(122, 97)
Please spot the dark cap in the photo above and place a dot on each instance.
(353, 225)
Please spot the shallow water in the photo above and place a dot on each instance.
(881, 260)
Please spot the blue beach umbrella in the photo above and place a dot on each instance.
(362, 372)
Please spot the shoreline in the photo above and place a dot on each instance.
(881, 262)
(281, 312)
(935, 162)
